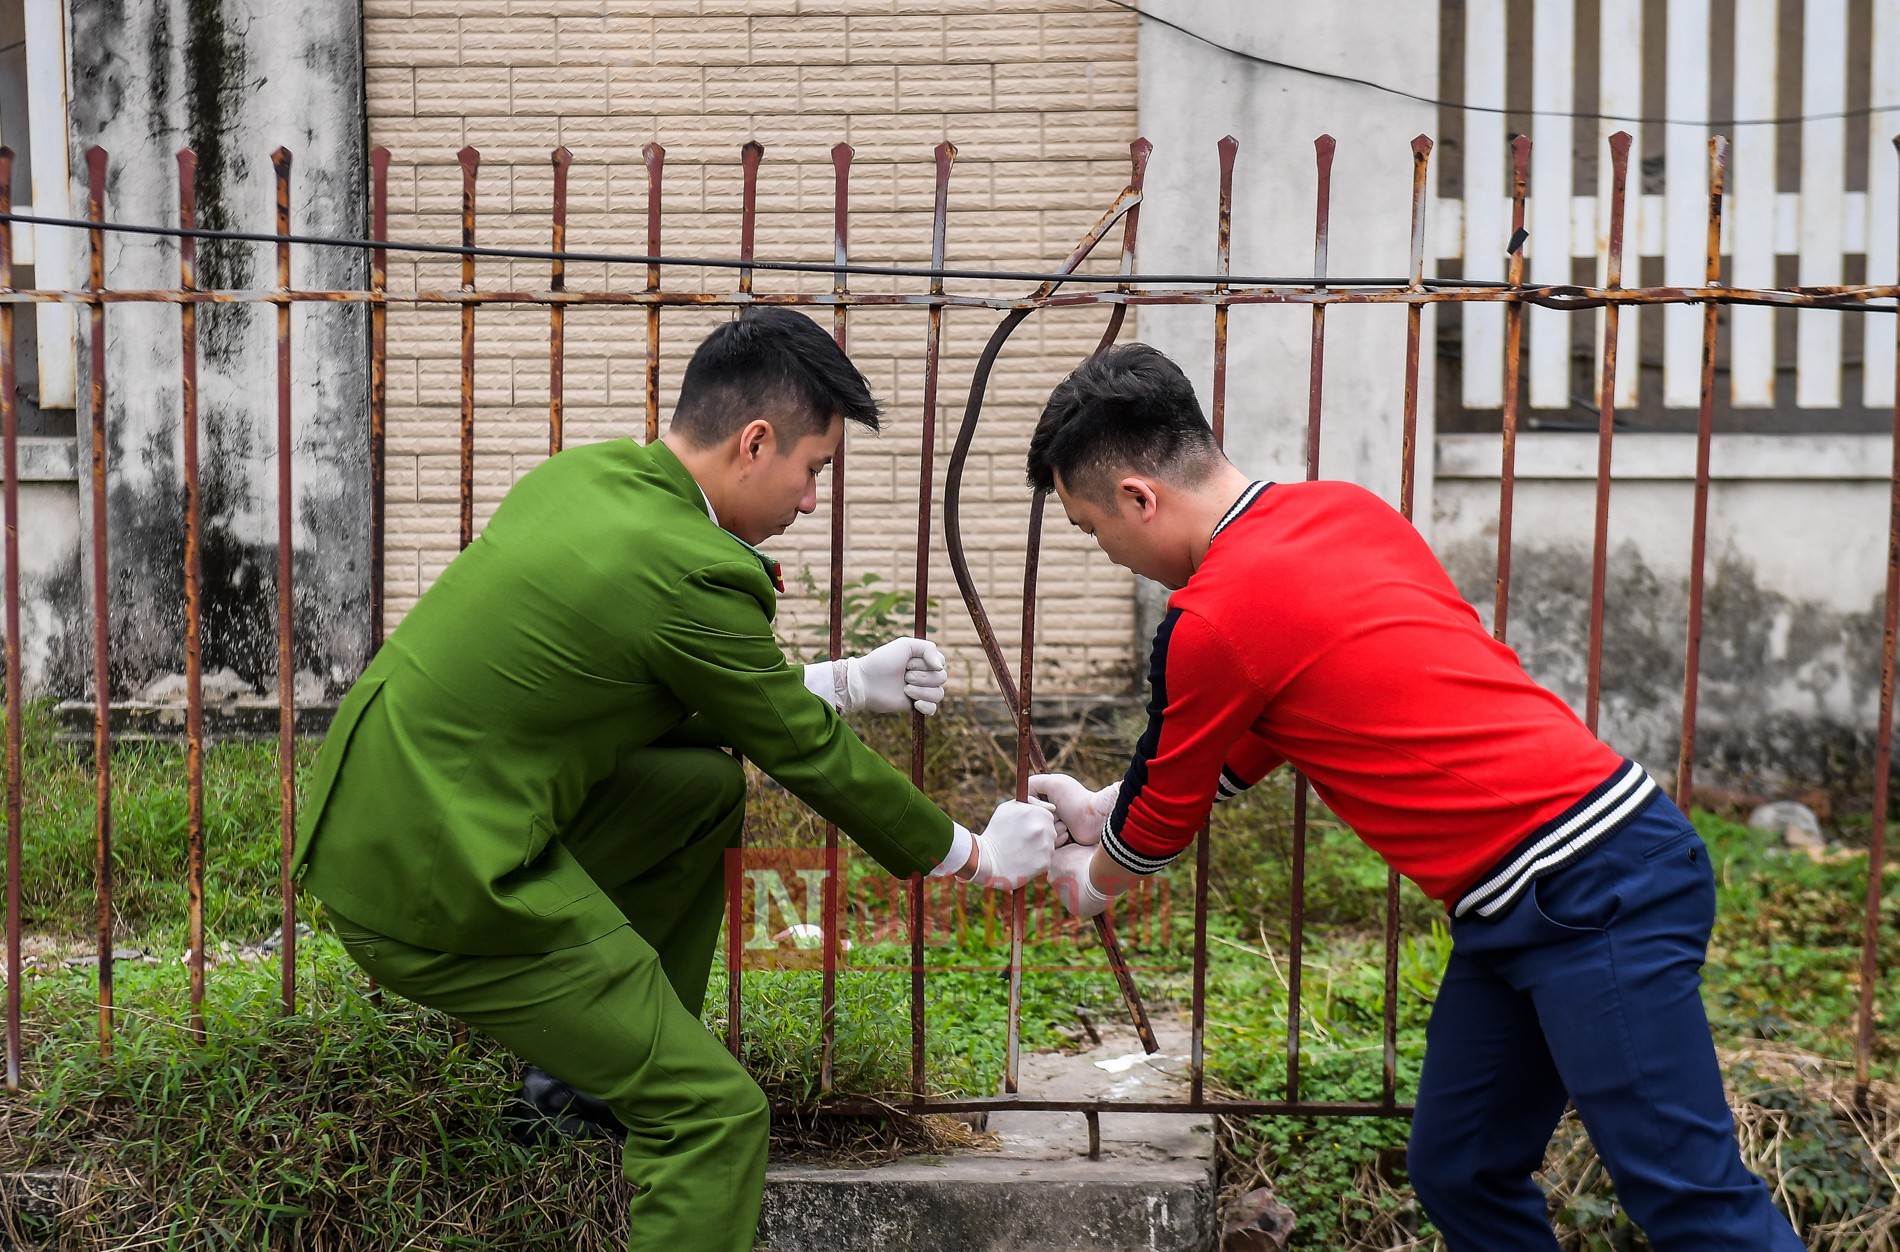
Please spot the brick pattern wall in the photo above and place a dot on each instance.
(1038, 95)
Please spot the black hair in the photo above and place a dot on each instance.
(1128, 409)
(761, 363)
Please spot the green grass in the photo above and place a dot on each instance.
(365, 1126)
(242, 824)
(1784, 962)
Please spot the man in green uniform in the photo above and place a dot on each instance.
(520, 813)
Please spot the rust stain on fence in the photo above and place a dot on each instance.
(10, 440)
(1513, 367)
(1883, 756)
(1228, 149)
(655, 157)
(946, 155)
(1118, 292)
(1606, 426)
(101, 624)
(286, 650)
(194, 597)
(378, 388)
(1160, 289)
(557, 314)
(471, 161)
(1323, 149)
(1699, 525)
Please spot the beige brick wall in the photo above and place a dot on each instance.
(1038, 95)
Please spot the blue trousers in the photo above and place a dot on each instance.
(1588, 990)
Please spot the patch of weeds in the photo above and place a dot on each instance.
(241, 831)
(870, 615)
(354, 1126)
(1828, 1154)
(1784, 958)
(1315, 1164)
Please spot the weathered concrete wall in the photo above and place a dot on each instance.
(232, 79)
(52, 653)
(1796, 567)
(1193, 94)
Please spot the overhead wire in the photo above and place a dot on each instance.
(730, 263)
(1642, 120)
(1562, 296)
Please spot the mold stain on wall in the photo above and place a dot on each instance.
(199, 73)
(1789, 691)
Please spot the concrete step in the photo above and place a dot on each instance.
(1151, 1190)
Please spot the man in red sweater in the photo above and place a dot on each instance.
(1309, 623)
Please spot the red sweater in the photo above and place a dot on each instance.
(1321, 630)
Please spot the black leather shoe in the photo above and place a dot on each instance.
(546, 1108)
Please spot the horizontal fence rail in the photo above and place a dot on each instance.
(1117, 290)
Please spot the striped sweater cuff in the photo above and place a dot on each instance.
(1229, 786)
(1129, 859)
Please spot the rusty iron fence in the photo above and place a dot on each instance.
(1118, 291)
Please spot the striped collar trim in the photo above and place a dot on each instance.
(1562, 840)
(1241, 505)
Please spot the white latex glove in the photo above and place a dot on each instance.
(1080, 813)
(903, 674)
(1014, 849)
(1075, 886)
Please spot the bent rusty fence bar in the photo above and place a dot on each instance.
(1069, 286)
(828, 993)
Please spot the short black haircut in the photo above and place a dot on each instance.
(761, 363)
(1128, 409)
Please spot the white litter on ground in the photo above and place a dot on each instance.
(1122, 1064)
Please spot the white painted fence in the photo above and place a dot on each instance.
(1820, 224)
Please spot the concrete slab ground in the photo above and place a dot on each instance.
(1152, 1190)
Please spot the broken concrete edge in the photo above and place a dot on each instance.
(1085, 1206)
(983, 1205)
(1151, 1189)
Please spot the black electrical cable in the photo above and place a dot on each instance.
(1557, 296)
(729, 263)
(1864, 111)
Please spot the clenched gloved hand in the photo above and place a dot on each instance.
(1014, 849)
(903, 674)
(1070, 874)
(1080, 813)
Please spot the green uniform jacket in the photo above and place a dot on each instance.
(600, 611)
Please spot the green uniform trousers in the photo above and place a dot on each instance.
(618, 1017)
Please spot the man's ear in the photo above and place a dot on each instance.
(1139, 493)
(752, 441)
